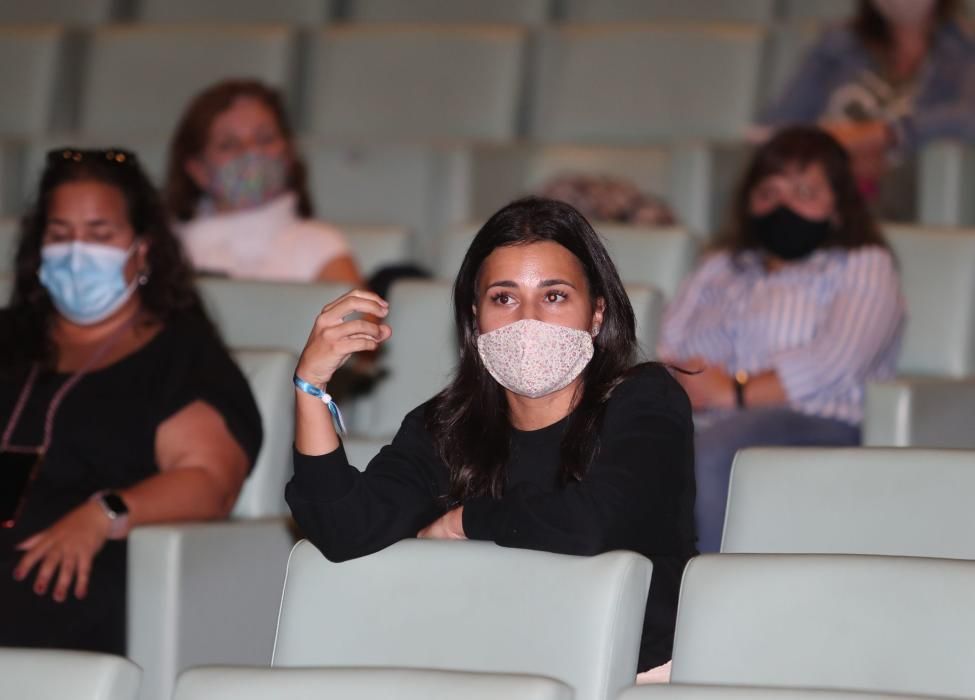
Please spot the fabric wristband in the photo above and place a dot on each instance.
(325, 398)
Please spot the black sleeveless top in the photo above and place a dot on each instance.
(104, 438)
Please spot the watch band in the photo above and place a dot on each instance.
(116, 511)
(740, 379)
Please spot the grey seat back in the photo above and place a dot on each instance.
(468, 606)
(29, 82)
(73, 12)
(266, 315)
(139, 79)
(877, 624)
(235, 683)
(908, 502)
(500, 11)
(644, 255)
(419, 358)
(583, 69)
(269, 374)
(307, 12)
(376, 246)
(417, 82)
(667, 10)
(688, 691)
(48, 673)
(937, 268)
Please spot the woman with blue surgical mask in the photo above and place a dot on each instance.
(550, 435)
(236, 188)
(119, 405)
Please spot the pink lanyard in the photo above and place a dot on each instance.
(59, 396)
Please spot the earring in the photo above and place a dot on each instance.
(595, 330)
(143, 278)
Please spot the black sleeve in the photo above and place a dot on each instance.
(347, 513)
(637, 494)
(199, 368)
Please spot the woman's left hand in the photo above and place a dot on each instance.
(66, 549)
(449, 526)
(711, 387)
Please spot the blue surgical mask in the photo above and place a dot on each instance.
(86, 281)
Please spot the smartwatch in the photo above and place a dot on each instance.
(116, 511)
(740, 380)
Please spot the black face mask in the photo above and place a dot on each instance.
(789, 235)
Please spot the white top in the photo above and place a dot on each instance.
(827, 324)
(269, 242)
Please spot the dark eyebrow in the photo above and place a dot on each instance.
(503, 283)
(554, 283)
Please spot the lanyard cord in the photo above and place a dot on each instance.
(59, 396)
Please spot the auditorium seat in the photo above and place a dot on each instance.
(831, 10)
(868, 623)
(667, 10)
(451, 11)
(409, 185)
(419, 358)
(266, 315)
(689, 691)
(637, 83)
(207, 592)
(9, 232)
(693, 177)
(648, 308)
(929, 403)
(946, 181)
(228, 683)
(901, 502)
(468, 606)
(644, 255)
(785, 50)
(32, 78)
(376, 246)
(70, 12)
(139, 79)
(36, 674)
(415, 83)
(300, 12)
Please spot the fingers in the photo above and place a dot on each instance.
(65, 576)
(46, 572)
(35, 553)
(355, 301)
(358, 329)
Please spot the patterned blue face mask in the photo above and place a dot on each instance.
(86, 281)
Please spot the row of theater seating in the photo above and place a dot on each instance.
(849, 569)
(409, 82)
(310, 12)
(925, 405)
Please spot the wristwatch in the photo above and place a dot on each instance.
(740, 379)
(116, 511)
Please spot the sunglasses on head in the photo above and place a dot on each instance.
(79, 155)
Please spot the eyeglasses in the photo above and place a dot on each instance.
(78, 155)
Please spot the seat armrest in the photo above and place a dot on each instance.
(203, 593)
(920, 412)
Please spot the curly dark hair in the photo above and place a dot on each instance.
(25, 325)
(181, 193)
(469, 419)
(802, 146)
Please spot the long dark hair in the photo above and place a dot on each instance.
(873, 29)
(803, 146)
(25, 325)
(469, 419)
(182, 195)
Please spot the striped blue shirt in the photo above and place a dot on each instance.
(827, 324)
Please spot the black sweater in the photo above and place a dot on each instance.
(638, 494)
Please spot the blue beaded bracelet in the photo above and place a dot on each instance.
(325, 398)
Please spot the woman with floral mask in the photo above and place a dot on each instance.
(547, 438)
(788, 319)
(236, 187)
(119, 405)
(901, 73)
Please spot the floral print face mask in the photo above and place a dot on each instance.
(249, 180)
(534, 358)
